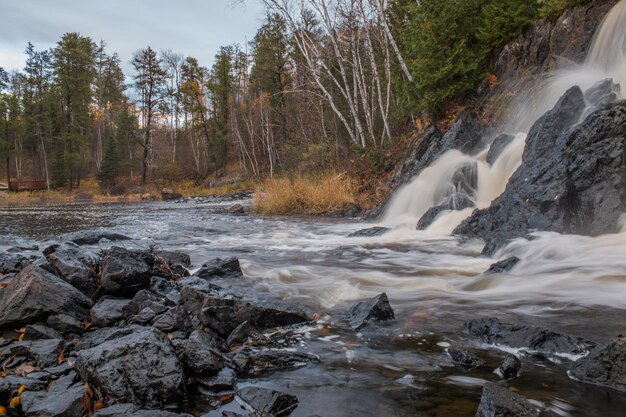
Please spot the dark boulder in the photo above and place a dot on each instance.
(95, 337)
(464, 357)
(36, 294)
(93, 237)
(76, 266)
(457, 201)
(497, 401)
(562, 174)
(223, 315)
(370, 232)
(602, 93)
(109, 311)
(498, 145)
(236, 209)
(536, 339)
(40, 332)
(510, 367)
(504, 265)
(374, 309)
(44, 352)
(124, 272)
(65, 324)
(140, 368)
(268, 401)
(239, 335)
(254, 363)
(199, 354)
(221, 384)
(169, 195)
(220, 268)
(605, 365)
(64, 398)
(10, 385)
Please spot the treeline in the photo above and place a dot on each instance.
(321, 82)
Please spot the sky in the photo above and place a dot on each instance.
(189, 27)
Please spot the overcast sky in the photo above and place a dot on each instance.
(190, 27)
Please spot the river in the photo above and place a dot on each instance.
(435, 284)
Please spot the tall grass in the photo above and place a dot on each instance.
(306, 195)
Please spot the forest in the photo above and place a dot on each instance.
(322, 86)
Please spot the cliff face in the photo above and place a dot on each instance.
(548, 45)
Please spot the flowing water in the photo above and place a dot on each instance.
(435, 282)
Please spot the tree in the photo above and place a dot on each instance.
(150, 81)
(74, 59)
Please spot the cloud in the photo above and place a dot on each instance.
(190, 27)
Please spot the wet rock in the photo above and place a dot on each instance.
(497, 146)
(65, 324)
(93, 237)
(14, 263)
(35, 294)
(370, 232)
(44, 352)
(62, 399)
(220, 268)
(109, 311)
(125, 272)
(605, 365)
(254, 363)
(457, 201)
(239, 335)
(269, 401)
(374, 309)
(76, 266)
(464, 357)
(236, 209)
(39, 332)
(600, 94)
(223, 315)
(95, 337)
(168, 194)
(497, 401)
(223, 382)
(20, 249)
(10, 384)
(140, 368)
(199, 354)
(171, 264)
(562, 173)
(538, 339)
(504, 265)
(510, 367)
(166, 289)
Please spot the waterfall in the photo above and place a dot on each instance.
(438, 183)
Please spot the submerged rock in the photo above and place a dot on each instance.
(538, 339)
(374, 309)
(370, 232)
(140, 367)
(510, 367)
(131, 410)
(220, 268)
(458, 201)
(504, 265)
(497, 401)
(605, 365)
(464, 357)
(254, 363)
(498, 145)
(35, 294)
(265, 400)
(93, 237)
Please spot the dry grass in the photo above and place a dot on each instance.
(307, 195)
(90, 191)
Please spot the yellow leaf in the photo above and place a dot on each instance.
(61, 357)
(3, 411)
(15, 402)
(97, 406)
(21, 389)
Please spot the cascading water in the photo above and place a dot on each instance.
(606, 60)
